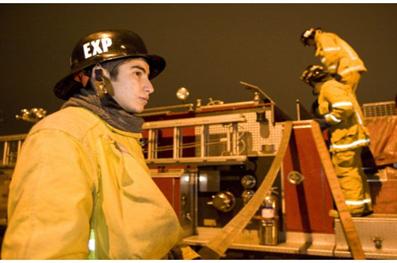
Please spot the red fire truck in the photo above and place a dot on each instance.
(210, 158)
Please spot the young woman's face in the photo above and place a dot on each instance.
(132, 86)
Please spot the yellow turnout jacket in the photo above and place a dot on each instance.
(337, 55)
(341, 109)
(76, 173)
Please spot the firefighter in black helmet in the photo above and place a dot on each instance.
(348, 135)
(81, 174)
(100, 47)
(336, 55)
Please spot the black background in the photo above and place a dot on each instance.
(209, 48)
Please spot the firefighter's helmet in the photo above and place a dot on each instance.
(105, 46)
(313, 74)
(308, 34)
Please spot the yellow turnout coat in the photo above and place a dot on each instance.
(76, 173)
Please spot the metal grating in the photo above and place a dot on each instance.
(253, 136)
(378, 109)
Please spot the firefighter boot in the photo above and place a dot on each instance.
(335, 214)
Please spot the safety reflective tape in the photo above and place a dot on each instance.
(349, 145)
(332, 117)
(350, 69)
(342, 104)
(331, 49)
(360, 121)
(358, 202)
(348, 104)
(332, 67)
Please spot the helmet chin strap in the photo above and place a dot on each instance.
(102, 83)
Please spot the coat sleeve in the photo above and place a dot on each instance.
(339, 104)
(329, 51)
(50, 200)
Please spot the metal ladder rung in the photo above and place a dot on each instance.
(232, 139)
(7, 151)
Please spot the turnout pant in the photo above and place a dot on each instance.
(353, 181)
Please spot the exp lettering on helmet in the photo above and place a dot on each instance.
(96, 47)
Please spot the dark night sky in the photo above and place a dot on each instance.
(209, 48)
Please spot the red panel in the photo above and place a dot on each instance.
(384, 194)
(169, 132)
(170, 186)
(306, 204)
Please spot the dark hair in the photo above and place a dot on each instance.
(112, 66)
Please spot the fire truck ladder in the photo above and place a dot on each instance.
(202, 125)
(10, 147)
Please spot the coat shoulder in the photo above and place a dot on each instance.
(332, 86)
(74, 121)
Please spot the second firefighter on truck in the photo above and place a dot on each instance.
(336, 55)
(338, 106)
